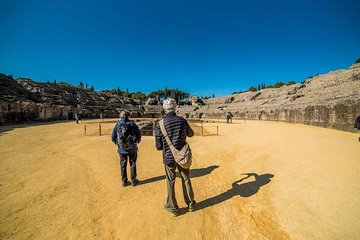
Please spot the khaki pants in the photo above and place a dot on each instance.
(171, 203)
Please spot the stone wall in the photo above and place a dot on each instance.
(15, 112)
(21, 112)
(339, 117)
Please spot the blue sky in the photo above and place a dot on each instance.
(202, 47)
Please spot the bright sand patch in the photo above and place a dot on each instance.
(56, 183)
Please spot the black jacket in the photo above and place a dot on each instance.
(178, 129)
(357, 123)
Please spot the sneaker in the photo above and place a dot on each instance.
(171, 213)
(135, 182)
(191, 207)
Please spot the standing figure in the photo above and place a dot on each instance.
(77, 118)
(126, 135)
(229, 117)
(177, 129)
(357, 124)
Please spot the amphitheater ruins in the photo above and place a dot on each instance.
(330, 100)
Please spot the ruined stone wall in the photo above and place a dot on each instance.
(21, 112)
(15, 112)
(339, 117)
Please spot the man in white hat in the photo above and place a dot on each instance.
(177, 129)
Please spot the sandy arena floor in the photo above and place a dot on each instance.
(55, 183)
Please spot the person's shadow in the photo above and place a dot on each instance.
(199, 172)
(244, 190)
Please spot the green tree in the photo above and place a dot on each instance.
(252, 89)
(290, 83)
(357, 60)
(279, 84)
(81, 85)
(177, 96)
(138, 95)
(165, 93)
(313, 76)
(269, 86)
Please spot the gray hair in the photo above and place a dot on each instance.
(169, 105)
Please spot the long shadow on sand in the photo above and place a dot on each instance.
(244, 190)
(193, 174)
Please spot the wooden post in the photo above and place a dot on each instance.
(85, 129)
(217, 130)
(153, 128)
(99, 129)
(202, 128)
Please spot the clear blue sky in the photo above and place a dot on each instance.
(202, 47)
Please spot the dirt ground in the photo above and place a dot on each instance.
(302, 183)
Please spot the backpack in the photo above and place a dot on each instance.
(125, 138)
(182, 157)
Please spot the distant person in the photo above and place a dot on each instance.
(229, 117)
(126, 135)
(177, 129)
(357, 124)
(77, 118)
(101, 116)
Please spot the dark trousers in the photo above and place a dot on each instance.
(123, 163)
(171, 203)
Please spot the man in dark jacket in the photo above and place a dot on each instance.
(229, 117)
(357, 124)
(177, 129)
(126, 135)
